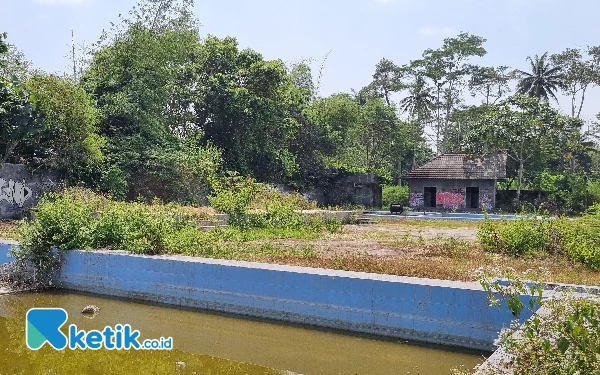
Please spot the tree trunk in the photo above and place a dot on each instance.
(400, 172)
(573, 102)
(9, 149)
(520, 180)
(581, 103)
(438, 125)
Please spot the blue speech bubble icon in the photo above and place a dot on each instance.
(43, 325)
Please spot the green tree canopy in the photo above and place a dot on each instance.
(68, 140)
(543, 80)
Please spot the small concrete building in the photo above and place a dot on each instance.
(458, 182)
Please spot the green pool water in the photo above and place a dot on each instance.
(208, 343)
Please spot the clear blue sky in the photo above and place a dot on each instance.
(357, 32)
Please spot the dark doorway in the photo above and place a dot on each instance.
(472, 197)
(429, 197)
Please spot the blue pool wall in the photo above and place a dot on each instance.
(434, 311)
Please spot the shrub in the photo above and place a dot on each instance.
(564, 339)
(525, 236)
(395, 194)
(79, 219)
(233, 194)
(578, 239)
(254, 205)
(593, 193)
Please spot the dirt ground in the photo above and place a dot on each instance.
(395, 241)
(465, 234)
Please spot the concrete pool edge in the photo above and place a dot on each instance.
(432, 311)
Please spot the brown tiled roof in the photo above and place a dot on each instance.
(463, 167)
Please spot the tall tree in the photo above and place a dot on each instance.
(142, 79)
(3, 44)
(18, 120)
(14, 64)
(489, 82)
(69, 140)
(527, 129)
(420, 102)
(446, 68)
(578, 74)
(387, 79)
(241, 103)
(543, 80)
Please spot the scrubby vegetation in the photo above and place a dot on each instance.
(575, 239)
(80, 219)
(394, 194)
(561, 338)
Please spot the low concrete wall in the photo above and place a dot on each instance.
(434, 311)
(5, 246)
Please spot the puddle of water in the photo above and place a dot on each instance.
(207, 343)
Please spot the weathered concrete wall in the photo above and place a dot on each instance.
(451, 194)
(435, 311)
(21, 189)
(363, 189)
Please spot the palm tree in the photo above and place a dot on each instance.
(420, 102)
(543, 80)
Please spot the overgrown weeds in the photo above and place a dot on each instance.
(80, 219)
(576, 239)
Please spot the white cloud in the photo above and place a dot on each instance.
(430, 31)
(61, 2)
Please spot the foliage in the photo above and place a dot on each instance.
(180, 174)
(14, 65)
(529, 131)
(544, 79)
(69, 140)
(241, 103)
(575, 239)
(578, 74)
(80, 219)
(136, 76)
(528, 235)
(253, 205)
(387, 79)
(234, 194)
(394, 194)
(560, 338)
(18, 121)
(3, 44)
(166, 109)
(444, 68)
(492, 83)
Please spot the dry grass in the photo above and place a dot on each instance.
(411, 248)
(433, 223)
(8, 229)
(438, 262)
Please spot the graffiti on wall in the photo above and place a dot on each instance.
(416, 200)
(485, 201)
(14, 192)
(450, 199)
